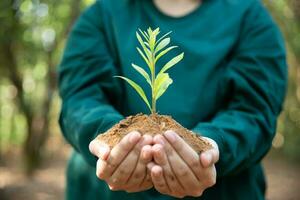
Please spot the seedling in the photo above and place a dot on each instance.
(153, 48)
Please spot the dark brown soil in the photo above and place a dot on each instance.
(152, 125)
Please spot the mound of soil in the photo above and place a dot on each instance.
(152, 125)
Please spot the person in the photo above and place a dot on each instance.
(229, 88)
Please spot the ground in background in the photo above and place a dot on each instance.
(48, 182)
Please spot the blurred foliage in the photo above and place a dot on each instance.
(32, 36)
(287, 14)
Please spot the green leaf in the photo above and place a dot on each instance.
(144, 34)
(143, 56)
(162, 44)
(149, 31)
(152, 42)
(152, 38)
(156, 31)
(138, 89)
(147, 53)
(140, 40)
(147, 44)
(164, 52)
(146, 60)
(165, 35)
(161, 84)
(142, 72)
(172, 62)
(146, 50)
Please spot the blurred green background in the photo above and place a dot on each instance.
(32, 37)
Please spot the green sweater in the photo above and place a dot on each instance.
(229, 87)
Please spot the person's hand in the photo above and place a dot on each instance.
(178, 170)
(124, 167)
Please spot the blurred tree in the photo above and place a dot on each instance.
(31, 35)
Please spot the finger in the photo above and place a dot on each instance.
(100, 169)
(161, 159)
(150, 165)
(211, 156)
(212, 142)
(185, 151)
(208, 177)
(146, 155)
(145, 185)
(140, 172)
(124, 171)
(158, 155)
(147, 180)
(184, 174)
(99, 149)
(117, 155)
(158, 180)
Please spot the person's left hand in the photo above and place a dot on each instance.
(178, 170)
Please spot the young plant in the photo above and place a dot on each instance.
(153, 48)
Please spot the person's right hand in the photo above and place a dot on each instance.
(124, 167)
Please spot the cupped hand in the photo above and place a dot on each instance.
(178, 170)
(124, 167)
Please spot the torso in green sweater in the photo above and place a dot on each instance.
(229, 87)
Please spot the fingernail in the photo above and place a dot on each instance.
(134, 137)
(170, 135)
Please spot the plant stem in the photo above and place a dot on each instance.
(153, 109)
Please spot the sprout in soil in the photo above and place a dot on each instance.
(153, 48)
